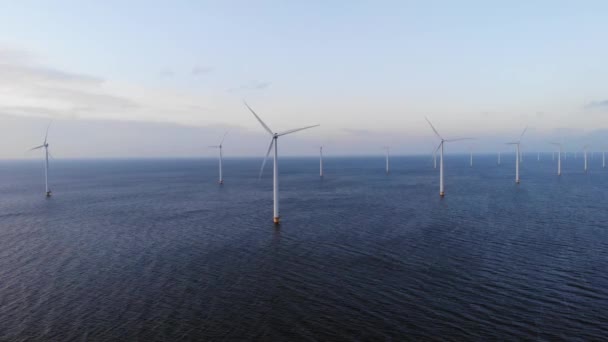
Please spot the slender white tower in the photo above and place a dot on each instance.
(498, 158)
(517, 166)
(559, 158)
(440, 149)
(221, 159)
(321, 161)
(45, 145)
(538, 156)
(441, 191)
(518, 157)
(387, 158)
(603, 159)
(471, 159)
(275, 177)
(585, 156)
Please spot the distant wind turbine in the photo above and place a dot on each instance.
(603, 159)
(585, 156)
(275, 176)
(559, 158)
(321, 161)
(45, 145)
(471, 158)
(388, 149)
(498, 163)
(517, 155)
(440, 148)
(220, 147)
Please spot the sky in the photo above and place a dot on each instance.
(167, 78)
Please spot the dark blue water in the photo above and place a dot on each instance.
(156, 250)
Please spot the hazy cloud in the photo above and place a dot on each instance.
(597, 105)
(11, 73)
(253, 85)
(166, 73)
(201, 70)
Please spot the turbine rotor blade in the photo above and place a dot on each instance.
(224, 137)
(433, 127)
(260, 120)
(47, 131)
(437, 149)
(296, 130)
(522, 133)
(36, 148)
(266, 158)
(215, 146)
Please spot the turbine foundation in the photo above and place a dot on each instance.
(442, 194)
(277, 220)
(48, 194)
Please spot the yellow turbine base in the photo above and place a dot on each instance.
(277, 220)
(442, 194)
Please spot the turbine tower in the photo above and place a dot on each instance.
(498, 163)
(220, 147)
(440, 148)
(518, 155)
(471, 158)
(275, 175)
(321, 161)
(585, 156)
(603, 160)
(559, 158)
(45, 145)
(387, 157)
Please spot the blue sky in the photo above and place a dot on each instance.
(367, 71)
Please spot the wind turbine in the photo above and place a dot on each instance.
(559, 158)
(603, 160)
(220, 147)
(45, 145)
(275, 175)
(440, 147)
(518, 155)
(538, 156)
(585, 155)
(498, 163)
(321, 161)
(388, 149)
(471, 159)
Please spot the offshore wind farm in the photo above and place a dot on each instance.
(162, 224)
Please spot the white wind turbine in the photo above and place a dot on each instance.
(45, 145)
(275, 175)
(559, 158)
(440, 148)
(498, 163)
(603, 160)
(517, 155)
(220, 147)
(585, 156)
(321, 161)
(471, 157)
(387, 157)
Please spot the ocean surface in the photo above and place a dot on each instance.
(155, 250)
